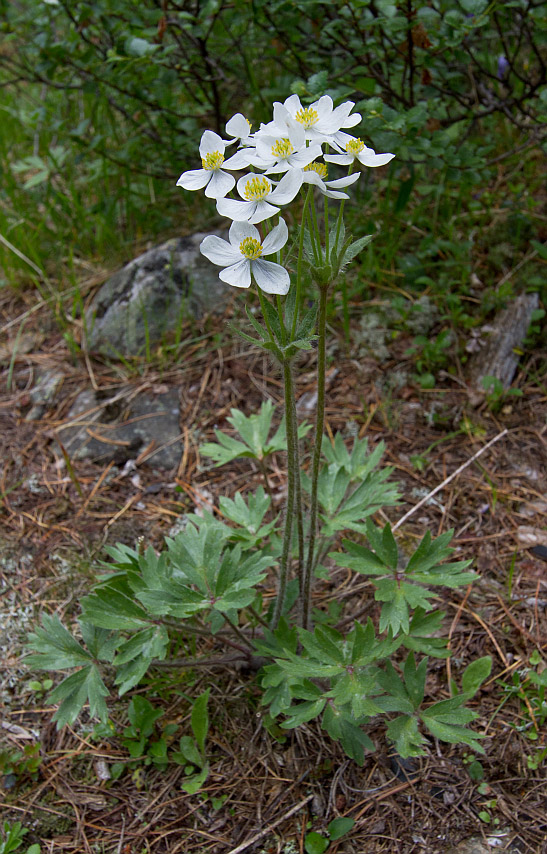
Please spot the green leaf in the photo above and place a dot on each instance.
(200, 719)
(188, 752)
(355, 248)
(54, 647)
(415, 679)
(314, 843)
(338, 827)
(453, 733)
(194, 783)
(475, 674)
(111, 609)
(408, 739)
(84, 686)
(303, 712)
(143, 715)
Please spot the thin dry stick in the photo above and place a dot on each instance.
(448, 479)
(258, 836)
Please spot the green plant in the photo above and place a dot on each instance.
(12, 840)
(496, 394)
(316, 843)
(529, 685)
(208, 580)
(17, 766)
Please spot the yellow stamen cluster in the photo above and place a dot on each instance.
(256, 189)
(307, 116)
(213, 160)
(320, 168)
(355, 146)
(251, 248)
(282, 148)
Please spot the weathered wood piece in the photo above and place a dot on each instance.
(497, 357)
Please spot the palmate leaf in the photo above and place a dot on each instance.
(406, 735)
(342, 727)
(254, 431)
(54, 647)
(359, 463)
(84, 686)
(371, 495)
(110, 609)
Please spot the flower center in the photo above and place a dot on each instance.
(320, 168)
(307, 116)
(256, 189)
(251, 248)
(355, 146)
(282, 148)
(213, 160)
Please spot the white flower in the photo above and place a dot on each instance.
(242, 256)
(357, 150)
(261, 197)
(238, 127)
(316, 173)
(279, 154)
(320, 120)
(216, 182)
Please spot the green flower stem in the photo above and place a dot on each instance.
(291, 495)
(298, 488)
(299, 264)
(316, 235)
(341, 212)
(326, 215)
(305, 597)
(262, 299)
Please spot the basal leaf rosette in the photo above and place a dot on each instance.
(241, 257)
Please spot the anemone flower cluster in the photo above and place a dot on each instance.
(277, 160)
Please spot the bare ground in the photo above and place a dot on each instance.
(57, 515)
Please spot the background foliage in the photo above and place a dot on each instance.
(104, 102)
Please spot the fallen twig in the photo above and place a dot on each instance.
(448, 479)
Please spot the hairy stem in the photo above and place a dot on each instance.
(316, 458)
(291, 495)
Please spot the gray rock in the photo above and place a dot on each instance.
(151, 295)
(43, 393)
(100, 431)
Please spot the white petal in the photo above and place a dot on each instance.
(238, 126)
(353, 120)
(240, 230)
(276, 239)
(240, 160)
(238, 275)
(271, 278)
(210, 142)
(344, 182)
(263, 211)
(220, 184)
(302, 158)
(323, 107)
(335, 194)
(195, 179)
(233, 209)
(219, 251)
(292, 104)
(249, 177)
(287, 188)
(369, 158)
(342, 159)
(310, 176)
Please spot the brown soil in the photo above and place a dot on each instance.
(57, 516)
